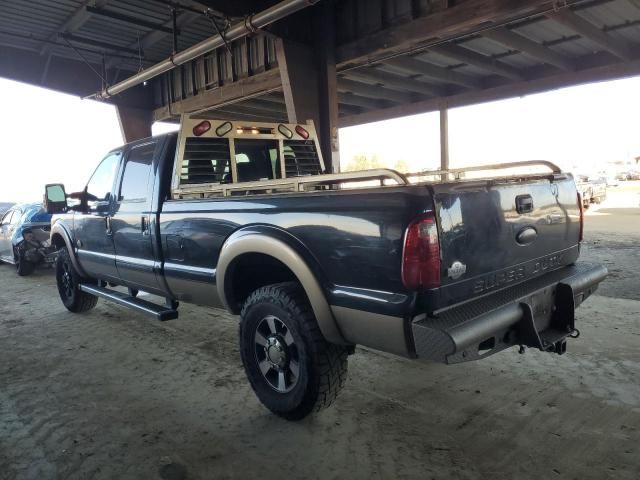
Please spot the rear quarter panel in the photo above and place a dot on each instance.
(355, 236)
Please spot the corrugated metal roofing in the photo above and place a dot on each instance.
(36, 25)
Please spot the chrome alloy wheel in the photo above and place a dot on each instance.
(276, 354)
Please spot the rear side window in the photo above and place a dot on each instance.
(206, 160)
(301, 158)
(137, 171)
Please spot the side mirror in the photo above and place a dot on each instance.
(55, 198)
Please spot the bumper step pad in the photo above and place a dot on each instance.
(538, 313)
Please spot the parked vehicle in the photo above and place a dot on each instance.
(4, 206)
(598, 189)
(628, 175)
(585, 189)
(612, 181)
(24, 237)
(241, 216)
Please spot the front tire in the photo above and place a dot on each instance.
(292, 369)
(24, 267)
(68, 280)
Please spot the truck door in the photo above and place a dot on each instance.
(132, 218)
(92, 226)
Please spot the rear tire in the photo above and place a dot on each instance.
(68, 279)
(292, 369)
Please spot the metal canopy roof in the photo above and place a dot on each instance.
(394, 57)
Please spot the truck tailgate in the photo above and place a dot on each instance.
(497, 233)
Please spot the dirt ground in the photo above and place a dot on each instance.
(113, 395)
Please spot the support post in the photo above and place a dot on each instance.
(135, 123)
(309, 82)
(444, 140)
(299, 78)
(325, 47)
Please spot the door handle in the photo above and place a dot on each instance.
(144, 226)
(107, 220)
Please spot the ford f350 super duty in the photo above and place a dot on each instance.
(242, 216)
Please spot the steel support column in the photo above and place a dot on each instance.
(135, 123)
(444, 139)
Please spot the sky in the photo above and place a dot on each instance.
(50, 137)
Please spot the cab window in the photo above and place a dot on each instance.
(137, 171)
(257, 160)
(101, 182)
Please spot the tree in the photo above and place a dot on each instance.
(401, 166)
(363, 162)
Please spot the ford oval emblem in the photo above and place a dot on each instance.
(456, 270)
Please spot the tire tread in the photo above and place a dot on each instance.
(330, 359)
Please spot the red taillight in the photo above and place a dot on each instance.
(581, 207)
(302, 132)
(421, 254)
(201, 128)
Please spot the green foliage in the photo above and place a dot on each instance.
(401, 166)
(363, 162)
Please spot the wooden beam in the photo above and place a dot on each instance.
(528, 47)
(251, 106)
(589, 31)
(235, 113)
(444, 75)
(227, 94)
(135, 123)
(559, 80)
(373, 91)
(486, 63)
(397, 82)
(299, 78)
(325, 54)
(463, 18)
(262, 103)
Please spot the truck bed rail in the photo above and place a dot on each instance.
(291, 184)
(457, 173)
(345, 180)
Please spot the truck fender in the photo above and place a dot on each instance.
(59, 230)
(261, 242)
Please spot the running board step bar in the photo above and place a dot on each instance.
(154, 310)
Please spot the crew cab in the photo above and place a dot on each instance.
(242, 216)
